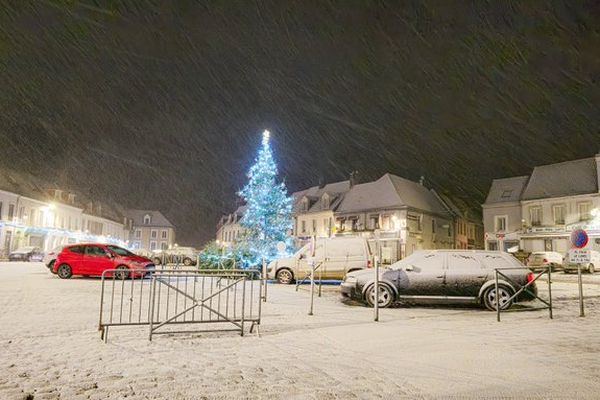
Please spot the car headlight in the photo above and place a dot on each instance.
(350, 279)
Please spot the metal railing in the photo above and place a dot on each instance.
(521, 289)
(168, 298)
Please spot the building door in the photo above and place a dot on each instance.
(547, 244)
(7, 242)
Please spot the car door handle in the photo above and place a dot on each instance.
(441, 276)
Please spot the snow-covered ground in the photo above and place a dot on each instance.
(50, 348)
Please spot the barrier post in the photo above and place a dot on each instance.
(264, 277)
(376, 305)
(497, 297)
(550, 291)
(312, 287)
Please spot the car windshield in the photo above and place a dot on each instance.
(120, 251)
(405, 261)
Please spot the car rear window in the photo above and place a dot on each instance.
(76, 249)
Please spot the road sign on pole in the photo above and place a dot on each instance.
(579, 238)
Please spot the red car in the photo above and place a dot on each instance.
(92, 259)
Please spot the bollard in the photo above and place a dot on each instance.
(497, 298)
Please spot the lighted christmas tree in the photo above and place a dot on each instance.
(268, 217)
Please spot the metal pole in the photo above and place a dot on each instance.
(497, 297)
(312, 287)
(264, 279)
(320, 277)
(152, 307)
(376, 305)
(580, 284)
(550, 291)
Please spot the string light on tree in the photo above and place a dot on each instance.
(268, 217)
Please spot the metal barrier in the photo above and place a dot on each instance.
(522, 289)
(226, 299)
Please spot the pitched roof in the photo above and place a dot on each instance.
(506, 190)
(390, 191)
(157, 218)
(563, 179)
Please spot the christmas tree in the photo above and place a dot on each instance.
(268, 217)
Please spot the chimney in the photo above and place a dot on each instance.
(422, 180)
(353, 178)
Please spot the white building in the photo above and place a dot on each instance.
(539, 212)
(229, 229)
(31, 215)
(150, 230)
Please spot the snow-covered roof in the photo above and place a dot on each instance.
(390, 191)
(563, 179)
(506, 190)
(157, 219)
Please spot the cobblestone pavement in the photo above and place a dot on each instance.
(50, 349)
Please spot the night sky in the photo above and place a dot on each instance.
(161, 104)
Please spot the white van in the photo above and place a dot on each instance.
(335, 257)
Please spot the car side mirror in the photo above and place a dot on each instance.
(109, 255)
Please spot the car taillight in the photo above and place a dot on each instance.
(530, 277)
(369, 264)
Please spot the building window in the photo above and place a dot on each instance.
(305, 204)
(152, 245)
(433, 226)
(584, 210)
(325, 202)
(11, 211)
(559, 214)
(163, 245)
(0, 211)
(500, 223)
(374, 221)
(506, 194)
(535, 215)
(163, 234)
(314, 225)
(147, 219)
(492, 245)
(303, 224)
(153, 234)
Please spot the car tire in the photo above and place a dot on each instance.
(591, 269)
(64, 271)
(122, 272)
(51, 266)
(386, 296)
(489, 297)
(285, 276)
(187, 261)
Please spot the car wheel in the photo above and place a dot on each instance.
(122, 272)
(386, 296)
(156, 260)
(187, 261)
(489, 297)
(51, 266)
(285, 276)
(591, 269)
(64, 271)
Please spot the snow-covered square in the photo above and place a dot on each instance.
(50, 348)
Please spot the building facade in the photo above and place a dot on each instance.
(229, 230)
(538, 212)
(47, 218)
(398, 215)
(151, 230)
